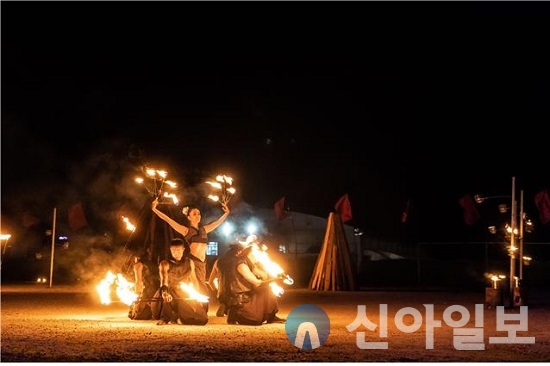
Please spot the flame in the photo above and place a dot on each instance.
(495, 279)
(276, 289)
(124, 289)
(172, 184)
(129, 225)
(272, 268)
(157, 183)
(214, 197)
(222, 183)
(193, 294)
(224, 178)
(214, 185)
(172, 196)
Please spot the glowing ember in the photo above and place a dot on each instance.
(123, 289)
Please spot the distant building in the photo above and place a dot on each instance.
(298, 234)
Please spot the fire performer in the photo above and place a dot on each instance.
(177, 305)
(196, 235)
(213, 282)
(214, 279)
(147, 281)
(245, 288)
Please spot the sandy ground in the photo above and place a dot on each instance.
(68, 324)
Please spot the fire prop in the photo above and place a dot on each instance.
(271, 268)
(129, 226)
(157, 183)
(193, 294)
(222, 184)
(495, 279)
(172, 196)
(122, 287)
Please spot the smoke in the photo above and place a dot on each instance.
(101, 176)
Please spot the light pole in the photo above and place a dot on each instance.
(513, 239)
(521, 233)
(513, 231)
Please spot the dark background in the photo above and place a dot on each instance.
(388, 102)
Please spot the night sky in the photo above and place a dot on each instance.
(387, 102)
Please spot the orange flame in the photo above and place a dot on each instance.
(193, 294)
(124, 289)
(273, 269)
(172, 196)
(223, 183)
(129, 225)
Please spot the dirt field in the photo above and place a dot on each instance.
(68, 324)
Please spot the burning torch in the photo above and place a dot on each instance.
(223, 184)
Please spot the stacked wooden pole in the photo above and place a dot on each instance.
(334, 270)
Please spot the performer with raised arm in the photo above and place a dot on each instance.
(196, 235)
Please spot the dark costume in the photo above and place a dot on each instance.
(188, 311)
(246, 303)
(142, 308)
(227, 260)
(199, 236)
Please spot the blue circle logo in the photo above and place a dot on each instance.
(307, 326)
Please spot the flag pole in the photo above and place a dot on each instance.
(53, 245)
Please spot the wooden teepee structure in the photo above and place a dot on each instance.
(334, 270)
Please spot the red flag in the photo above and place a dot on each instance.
(542, 200)
(343, 207)
(471, 215)
(405, 214)
(279, 208)
(77, 219)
